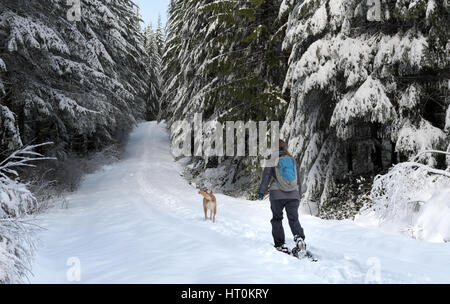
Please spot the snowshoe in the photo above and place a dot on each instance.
(300, 243)
(283, 249)
(300, 251)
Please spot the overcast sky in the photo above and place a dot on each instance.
(150, 9)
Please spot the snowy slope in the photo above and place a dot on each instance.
(138, 221)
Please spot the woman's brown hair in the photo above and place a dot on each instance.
(284, 147)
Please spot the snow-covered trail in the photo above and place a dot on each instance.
(138, 221)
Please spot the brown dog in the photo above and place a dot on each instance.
(209, 203)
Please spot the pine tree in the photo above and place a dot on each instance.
(78, 84)
(224, 60)
(81, 84)
(247, 61)
(160, 37)
(183, 73)
(154, 60)
(231, 60)
(367, 85)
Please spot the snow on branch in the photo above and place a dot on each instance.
(22, 158)
(412, 139)
(406, 198)
(447, 120)
(2, 69)
(2, 66)
(25, 32)
(15, 198)
(17, 242)
(9, 131)
(417, 157)
(369, 102)
(409, 48)
(425, 167)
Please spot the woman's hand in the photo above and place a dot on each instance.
(260, 196)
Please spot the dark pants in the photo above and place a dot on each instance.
(277, 207)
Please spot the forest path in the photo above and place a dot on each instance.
(138, 221)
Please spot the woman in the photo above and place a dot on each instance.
(284, 183)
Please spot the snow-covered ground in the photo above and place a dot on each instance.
(138, 221)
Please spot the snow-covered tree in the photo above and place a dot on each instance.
(151, 46)
(81, 84)
(246, 61)
(223, 59)
(185, 59)
(368, 82)
(154, 61)
(160, 37)
(77, 83)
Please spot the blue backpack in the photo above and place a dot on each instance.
(286, 175)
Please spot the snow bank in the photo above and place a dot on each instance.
(433, 223)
